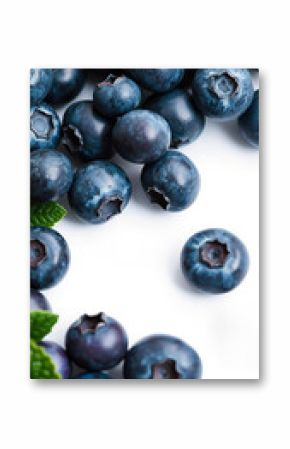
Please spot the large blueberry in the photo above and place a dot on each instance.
(223, 94)
(49, 257)
(45, 127)
(86, 133)
(249, 122)
(94, 375)
(141, 136)
(162, 357)
(157, 80)
(214, 260)
(38, 301)
(40, 83)
(116, 95)
(172, 181)
(96, 342)
(99, 191)
(66, 85)
(59, 357)
(51, 175)
(185, 120)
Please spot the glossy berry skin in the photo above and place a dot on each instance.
(86, 133)
(172, 182)
(214, 260)
(51, 175)
(141, 136)
(38, 301)
(222, 94)
(157, 80)
(59, 358)
(94, 375)
(99, 191)
(162, 357)
(116, 95)
(49, 257)
(45, 127)
(66, 85)
(40, 84)
(249, 122)
(96, 342)
(185, 120)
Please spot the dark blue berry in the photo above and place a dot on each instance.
(116, 95)
(141, 136)
(40, 83)
(162, 357)
(66, 85)
(45, 127)
(249, 122)
(94, 375)
(172, 181)
(59, 358)
(96, 342)
(185, 120)
(51, 175)
(86, 133)
(157, 80)
(49, 257)
(99, 191)
(214, 260)
(222, 93)
(38, 301)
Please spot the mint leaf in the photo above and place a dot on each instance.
(41, 323)
(46, 214)
(41, 365)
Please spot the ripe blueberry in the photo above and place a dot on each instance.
(40, 83)
(45, 127)
(38, 301)
(58, 356)
(157, 80)
(66, 84)
(249, 122)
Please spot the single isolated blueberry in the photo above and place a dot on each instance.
(141, 136)
(99, 191)
(66, 85)
(58, 356)
(45, 127)
(94, 375)
(157, 80)
(96, 342)
(38, 301)
(214, 260)
(51, 175)
(172, 181)
(116, 95)
(249, 122)
(86, 133)
(223, 94)
(185, 120)
(40, 83)
(49, 257)
(162, 357)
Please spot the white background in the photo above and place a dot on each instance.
(129, 267)
(240, 414)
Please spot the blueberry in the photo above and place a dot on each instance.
(96, 342)
(185, 121)
(172, 181)
(249, 122)
(157, 80)
(49, 257)
(214, 260)
(38, 301)
(45, 127)
(40, 83)
(94, 375)
(86, 133)
(51, 175)
(162, 357)
(222, 93)
(99, 191)
(116, 95)
(141, 136)
(66, 84)
(59, 358)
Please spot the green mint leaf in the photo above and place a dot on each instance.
(41, 323)
(41, 365)
(46, 214)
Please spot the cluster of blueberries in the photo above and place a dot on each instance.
(140, 113)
